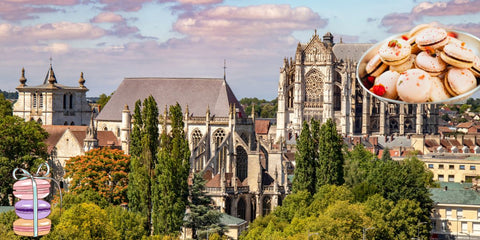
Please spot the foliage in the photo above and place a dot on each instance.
(21, 146)
(263, 108)
(332, 213)
(143, 158)
(84, 221)
(446, 118)
(171, 175)
(5, 107)
(386, 155)
(128, 224)
(6, 226)
(330, 155)
(304, 177)
(71, 199)
(202, 216)
(103, 100)
(103, 170)
(9, 95)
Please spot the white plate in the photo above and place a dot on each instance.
(471, 42)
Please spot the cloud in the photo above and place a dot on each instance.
(123, 5)
(49, 32)
(15, 10)
(398, 22)
(200, 2)
(345, 38)
(57, 48)
(107, 17)
(247, 24)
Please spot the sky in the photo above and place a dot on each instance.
(109, 40)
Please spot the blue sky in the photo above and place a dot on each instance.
(109, 40)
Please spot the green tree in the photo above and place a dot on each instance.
(171, 175)
(5, 106)
(145, 141)
(304, 176)
(386, 155)
(128, 224)
(21, 146)
(103, 100)
(103, 170)
(330, 155)
(202, 216)
(84, 221)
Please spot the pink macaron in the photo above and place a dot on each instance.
(404, 66)
(459, 80)
(432, 64)
(433, 37)
(438, 92)
(414, 85)
(375, 66)
(23, 188)
(457, 55)
(476, 66)
(395, 52)
(389, 81)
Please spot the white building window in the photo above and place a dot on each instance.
(476, 227)
(464, 227)
(441, 178)
(444, 226)
(449, 213)
(459, 213)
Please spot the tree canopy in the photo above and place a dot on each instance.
(21, 146)
(103, 170)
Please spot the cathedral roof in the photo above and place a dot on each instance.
(354, 51)
(197, 93)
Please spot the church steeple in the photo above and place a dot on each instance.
(23, 80)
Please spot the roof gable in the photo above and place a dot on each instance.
(197, 93)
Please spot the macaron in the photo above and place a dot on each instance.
(404, 66)
(414, 85)
(375, 66)
(438, 92)
(417, 29)
(395, 52)
(24, 227)
(388, 80)
(459, 80)
(24, 209)
(23, 188)
(452, 40)
(434, 65)
(413, 45)
(432, 37)
(476, 66)
(457, 55)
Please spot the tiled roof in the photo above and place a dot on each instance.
(230, 220)
(354, 51)
(215, 181)
(262, 126)
(105, 138)
(197, 93)
(55, 132)
(6, 209)
(456, 193)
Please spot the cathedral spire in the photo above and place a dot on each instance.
(23, 80)
(224, 69)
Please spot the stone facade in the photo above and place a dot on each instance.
(320, 83)
(52, 103)
(246, 175)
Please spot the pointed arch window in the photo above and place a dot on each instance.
(34, 103)
(267, 205)
(71, 101)
(241, 209)
(64, 101)
(242, 163)
(40, 100)
(219, 136)
(196, 137)
(314, 86)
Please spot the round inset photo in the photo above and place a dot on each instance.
(428, 65)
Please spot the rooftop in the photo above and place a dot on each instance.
(456, 193)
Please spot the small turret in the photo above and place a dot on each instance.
(126, 127)
(81, 81)
(52, 79)
(23, 80)
(328, 39)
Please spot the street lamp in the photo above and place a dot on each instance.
(418, 229)
(365, 231)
